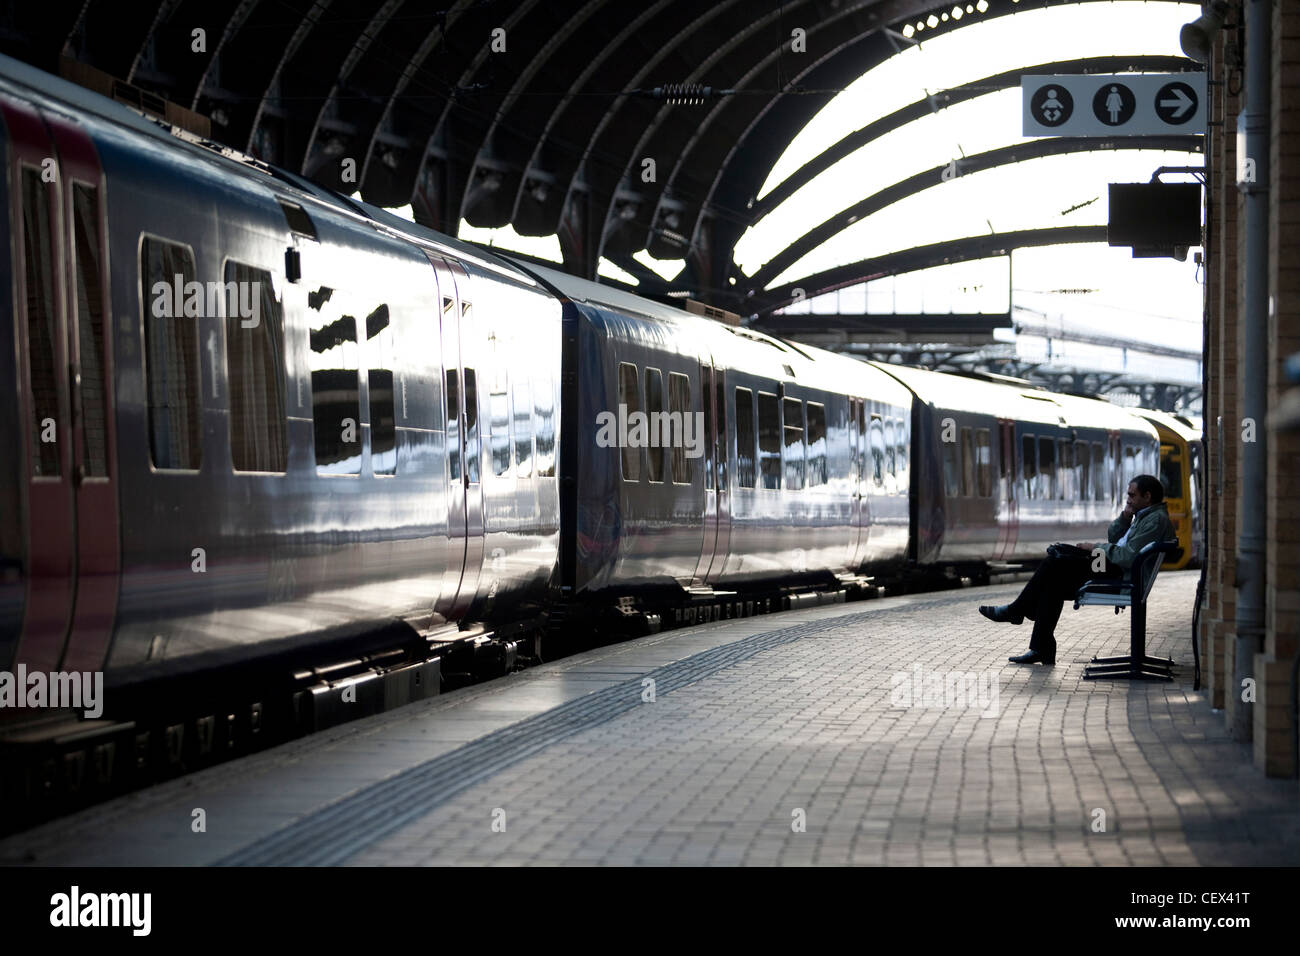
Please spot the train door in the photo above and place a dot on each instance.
(1009, 519)
(464, 556)
(861, 499)
(717, 499)
(65, 368)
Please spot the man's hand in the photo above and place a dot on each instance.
(1127, 513)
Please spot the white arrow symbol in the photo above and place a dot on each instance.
(1182, 104)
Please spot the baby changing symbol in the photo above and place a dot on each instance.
(1051, 105)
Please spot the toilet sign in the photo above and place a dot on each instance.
(1124, 104)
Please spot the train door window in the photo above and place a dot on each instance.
(629, 396)
(816, 444)
(381, 359)
(522, 426)
(706, 402)
(679, 408)
(1098, 472)
(876, 436)
(891, 462)
(90, 329)
(499, 423)
(453, 423)
(967, 464)
(335, 387)
(1083, 464)
(769, 439)
(1047, 468)
(1029, 460)
(1066, 483)
(654, 407)
(171, 357)
(722, 431)
(471, 426)
(983, 463)
(41, 354)
(900, 440)
(1116, 463)
(544, 416)
(745, 450)
(951, 469)
(255, 370)
(794, 439)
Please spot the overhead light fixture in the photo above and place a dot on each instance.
(1196, 37)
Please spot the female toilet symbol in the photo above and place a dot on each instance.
(1114, 104)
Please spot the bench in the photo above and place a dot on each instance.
(1131, 593)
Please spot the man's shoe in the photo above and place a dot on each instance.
(1033, 657)
(1002, 613)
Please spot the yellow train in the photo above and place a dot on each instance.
(1181, 473)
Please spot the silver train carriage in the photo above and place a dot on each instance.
(706, 456)
(1001, 472)
(250, 414)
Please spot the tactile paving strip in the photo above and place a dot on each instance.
(337, 832)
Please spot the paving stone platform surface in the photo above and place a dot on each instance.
(883, 732)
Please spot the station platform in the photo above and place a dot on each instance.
(803, 738)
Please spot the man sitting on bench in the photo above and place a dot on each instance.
(1145, 519)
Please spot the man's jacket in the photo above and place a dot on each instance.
(1154, 525)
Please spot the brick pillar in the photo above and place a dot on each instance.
(1273, 741)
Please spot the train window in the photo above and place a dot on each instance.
(655, 452)
(255, 370)
(499, 424)
(453, 422)
(876, 441)
(1046, 468)
(522, 425)
(42, 363)
(745, 453)
(471, 420)
(1083, 462)
(1029, 456)
(544, 412)
(90, 330)
(335, 385)
(967, 464)
(1098, 472)
(629, 396)
(171, 357)
(769, 439)
(816, 444)
(793, 427)
(679, 406)
(891, 462)
(983, 463)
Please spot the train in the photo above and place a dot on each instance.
(270, 441)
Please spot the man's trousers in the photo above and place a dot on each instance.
(1057, 580)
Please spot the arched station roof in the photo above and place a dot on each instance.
(532, 113)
